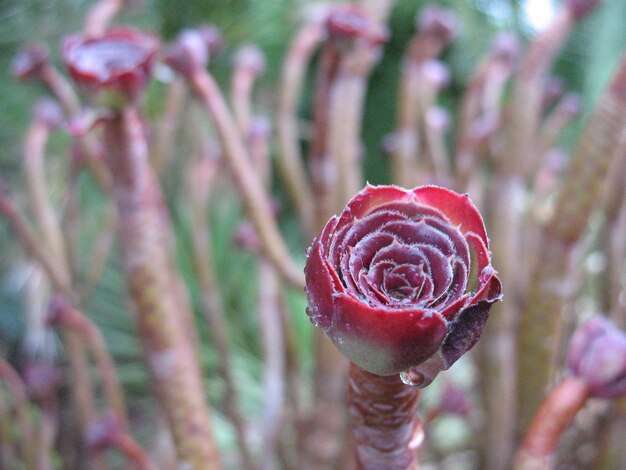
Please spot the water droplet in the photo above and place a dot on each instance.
(412, 378)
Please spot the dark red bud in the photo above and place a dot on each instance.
(114, 67)
(388, 280)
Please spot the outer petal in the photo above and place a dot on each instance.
(457, 207)
(371, 197)
(320, 280)
(385, 341)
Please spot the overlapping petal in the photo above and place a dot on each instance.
(402, 275)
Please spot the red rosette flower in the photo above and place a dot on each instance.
(402, 279)
(118, 63)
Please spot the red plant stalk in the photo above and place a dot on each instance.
(71, 318)
(134, 452)
(287, 122)
(436, 123)
(562, 114)
(64, 92)
(100, 251)
(20, 400)
(481, 109)
(506, 210)
(540, 320)
(168, 125)
(35, 141)
(386, 429)
(29, 241)
(521, 151)
(159, 302)
(553, 417)
(249, 65)
(345, 115)
(274, 364)
(614, 237)
(255, 198)
(200, 178)
(413, 95)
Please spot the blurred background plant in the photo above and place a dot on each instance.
(584, 66)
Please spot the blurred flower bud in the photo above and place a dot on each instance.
(29, 61)
(113, 68)
(580, 8)
(454, 400)
(597, 355)
(103, 433)
(42, 380)
(351, 23)
(48, 112)
(245, 237)
(250, 57)
(505, 48)
(553, 90)
(437, 22)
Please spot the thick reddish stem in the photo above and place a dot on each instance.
(163, 315)
(385, 426)
(549, 423)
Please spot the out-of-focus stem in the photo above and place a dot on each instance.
(497, 346)
(37, 181)
(255, 198)
(82, 391)
(290, 155)
(165, 137)
(273, 352)
(58, 275)
(213, 306)
(64, 93)
(384, 422)
(79, 323)
(522, 139)
(159, 302)
(345, 113)
(540, 321)
(480, 111)
(18, 392)
(100, 15)
(561, 115)
(133, 452)
(100, 252)
(553, 417)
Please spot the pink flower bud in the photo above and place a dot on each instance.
(251, 58)
(580, 8)
(402, 277)
(103, 433)
(48, 112)
(29, 62)
(597, 354)
(350, 23)
(112, 68)
(438, 22)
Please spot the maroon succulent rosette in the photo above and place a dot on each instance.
(119, 61)
(402, 277)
